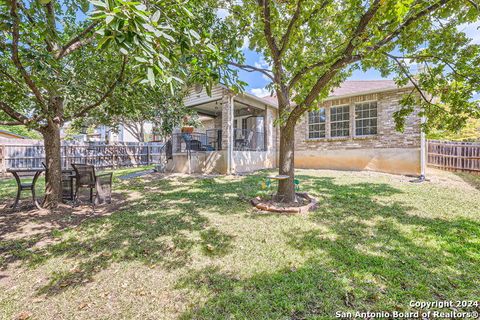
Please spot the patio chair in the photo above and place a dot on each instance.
(86, 177)
(67, 182)
(246, 144)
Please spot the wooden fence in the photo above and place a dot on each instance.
(101, 155)
(454, 156)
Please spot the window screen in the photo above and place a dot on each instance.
(316, 124)
(340, 121)
(366, 119)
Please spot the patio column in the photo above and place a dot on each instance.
(269, 127)
(227, 130)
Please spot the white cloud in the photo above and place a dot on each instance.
(246, 43)
(262, 64)
(260, 92)
(472, 30)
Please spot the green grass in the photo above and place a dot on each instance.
(185, 247)
(8, 186)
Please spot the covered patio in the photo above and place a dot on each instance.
(236, 134)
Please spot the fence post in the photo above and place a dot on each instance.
(148, 154)
(3, 163)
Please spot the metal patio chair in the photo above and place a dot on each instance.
(85, 177)
(67, 178)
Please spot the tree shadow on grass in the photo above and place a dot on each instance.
(160, 227)
(369, 253)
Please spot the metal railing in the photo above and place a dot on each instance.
(248, 140)
(196, 141)
(214, 138)
(243, 140)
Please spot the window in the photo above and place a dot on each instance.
(316, 124)
(340, 121)
(366, 119)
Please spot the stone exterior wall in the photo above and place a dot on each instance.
(386, 137)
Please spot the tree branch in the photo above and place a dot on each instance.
(77, 42)
(250, 68)
(12, 113)
(30, 19)
(286, 36)
(15, 56)
(109, 91)
(433, 57)
(267, 28)
(345, 58)
(404, 70)
(51, 24)
(407, 23)
(474, 4)
(11, 78)
(5, 123)
(297, 77)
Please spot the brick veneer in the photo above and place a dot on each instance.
(386, 137)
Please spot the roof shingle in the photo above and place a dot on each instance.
(353, 87)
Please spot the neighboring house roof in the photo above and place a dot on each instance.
(353, 88)
(10, 135)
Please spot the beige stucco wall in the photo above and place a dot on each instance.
(216, 162)
(391, 160)
(387, 151)
(200, 162)
(248, 161)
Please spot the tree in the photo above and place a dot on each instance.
(60, 60)
(313, 46)
(137, 106)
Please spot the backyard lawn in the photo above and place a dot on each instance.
(172, 247)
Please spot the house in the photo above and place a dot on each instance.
(353, 129)
(7, 135)
(237, 134)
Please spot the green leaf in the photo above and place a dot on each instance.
(151, 76)
(109, 19)
(156, 16)
(195, 34)
(99, 4)
(140, 59)
(45, 1)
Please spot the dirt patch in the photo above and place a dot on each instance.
(27, 221)
(304, 204)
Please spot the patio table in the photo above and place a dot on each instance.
(26, 186)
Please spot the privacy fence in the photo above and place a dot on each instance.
(31, 155)
(454, 156)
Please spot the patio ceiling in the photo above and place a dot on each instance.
(214, 108)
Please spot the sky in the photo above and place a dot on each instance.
(257, 82)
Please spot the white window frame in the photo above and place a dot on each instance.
(367, 118)
(320, 123)
(347, 106)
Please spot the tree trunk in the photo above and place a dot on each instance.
(142, 133)
(286, 188)
(53, 176)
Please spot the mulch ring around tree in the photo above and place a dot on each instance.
(304, 204)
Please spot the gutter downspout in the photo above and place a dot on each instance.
(230, 162)
(423, 149)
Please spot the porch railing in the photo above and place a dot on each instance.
(211, 140)
(185, 142)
